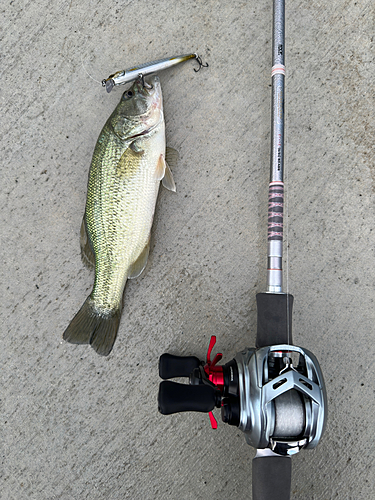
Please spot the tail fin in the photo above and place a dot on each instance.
(91, 327)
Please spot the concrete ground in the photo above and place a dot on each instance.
(78, 426)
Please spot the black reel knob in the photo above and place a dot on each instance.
(174, 398)
(171, 366)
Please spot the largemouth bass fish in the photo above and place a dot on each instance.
(126, 169)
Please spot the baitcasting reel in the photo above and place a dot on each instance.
(275, 394)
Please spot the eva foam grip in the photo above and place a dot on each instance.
(174, 398)
(272, 478)
(171, 366)
(274, 319)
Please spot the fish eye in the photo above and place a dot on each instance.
(129, 94)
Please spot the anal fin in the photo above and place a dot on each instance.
(139, 265)
(87, 254)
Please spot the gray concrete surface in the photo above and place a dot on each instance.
(77, 426)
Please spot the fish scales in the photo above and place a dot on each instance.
(127, 166)
(121, 203)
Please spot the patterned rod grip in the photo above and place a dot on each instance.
(275, 211)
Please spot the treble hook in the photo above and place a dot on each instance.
(199, 60)
(144, 83)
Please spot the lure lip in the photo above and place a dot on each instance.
(130, 74)
(108, 84)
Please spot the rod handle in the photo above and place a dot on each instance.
(272, 478)
(274, 319)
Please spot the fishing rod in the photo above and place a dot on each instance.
(274, 393)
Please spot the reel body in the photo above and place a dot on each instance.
(282, 406)
(275, 394)
(276, 404)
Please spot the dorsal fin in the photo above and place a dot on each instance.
(171, 157)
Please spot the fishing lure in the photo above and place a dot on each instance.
(130, 74)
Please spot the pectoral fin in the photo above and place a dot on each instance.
(163, 172)
(171, 159)
(168, 181)
(87, 254)
(139, 265)
(160, 168)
